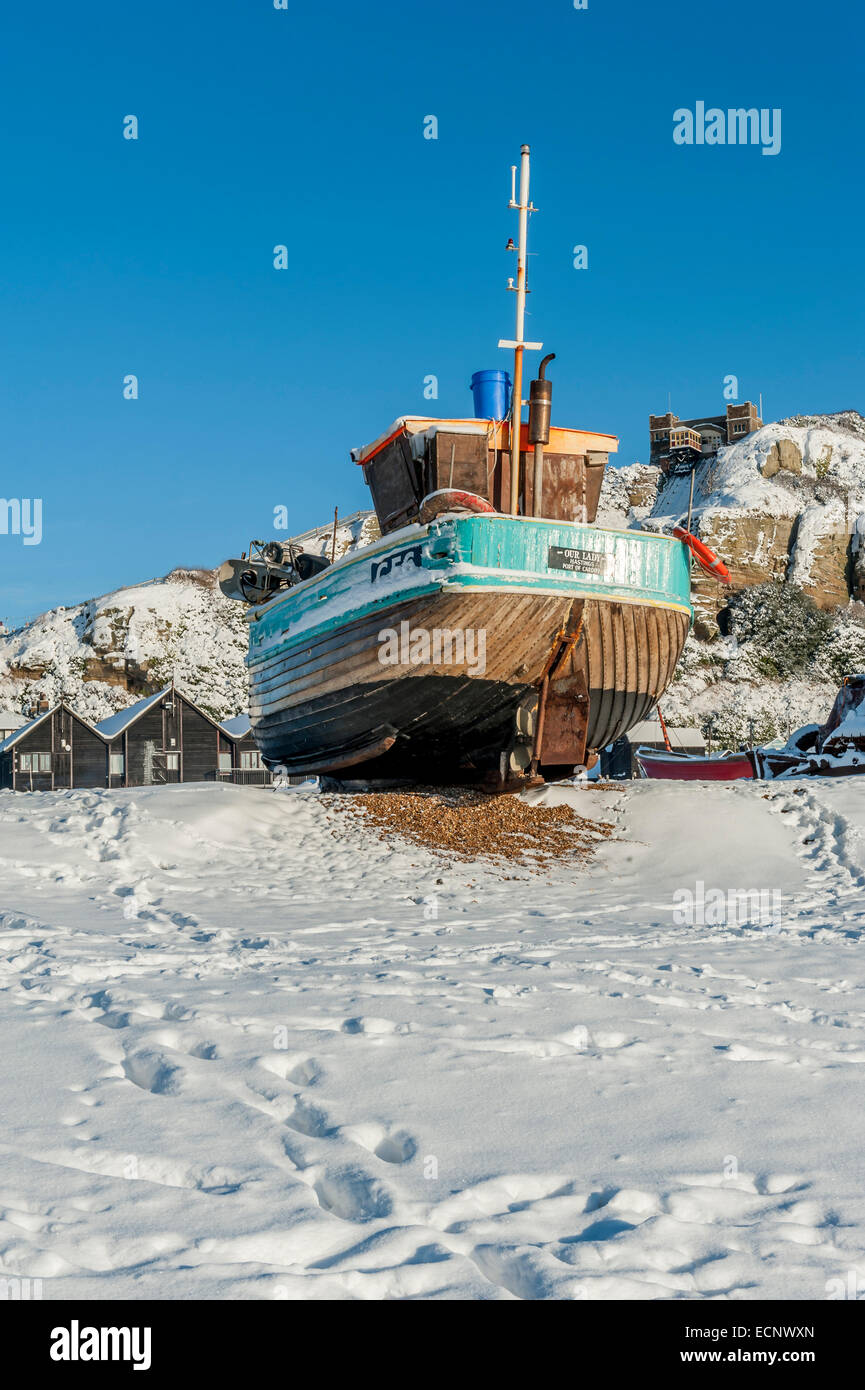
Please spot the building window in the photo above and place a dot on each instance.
(116, 764)
(250, 761)
(172, 762)
(225, 762)
(35, 762)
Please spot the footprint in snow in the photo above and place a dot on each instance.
(309, 1120)
(376, 1026)
(391, 1146)
(294, 1067)
(153, 1072)
(353, 1195)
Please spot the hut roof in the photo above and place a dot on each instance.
(650, 731)
(31, 724)
(237, 727)
(25, 729)
(116, 723)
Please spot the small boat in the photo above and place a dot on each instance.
(493, 634)
(694, 767)
(833, 749)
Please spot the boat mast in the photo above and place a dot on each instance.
(523, 207)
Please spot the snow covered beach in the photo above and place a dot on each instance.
(252, 1050)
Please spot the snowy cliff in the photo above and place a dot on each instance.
(104, 654)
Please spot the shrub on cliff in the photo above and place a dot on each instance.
(842, 653)
(778, 627)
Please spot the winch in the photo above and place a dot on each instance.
(268, 567)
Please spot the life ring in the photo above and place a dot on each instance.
(708, 561)
(450, 499)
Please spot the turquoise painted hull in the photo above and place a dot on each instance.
(502, 553)
(321, 699)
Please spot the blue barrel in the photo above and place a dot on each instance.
(492, 394)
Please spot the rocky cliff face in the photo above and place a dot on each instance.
(628, 495)
(785, 506)
(786, 503)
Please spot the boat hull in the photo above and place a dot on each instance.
(772, 766)
(690, 768)
(331, 690)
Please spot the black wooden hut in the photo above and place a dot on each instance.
(241, 760)
(56, 749)
(163, 738)
(166, 738)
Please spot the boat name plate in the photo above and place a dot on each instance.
(584, 561)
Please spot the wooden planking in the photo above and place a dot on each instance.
(515, 619)
(524, 627)
(626, 657)
(629, 654)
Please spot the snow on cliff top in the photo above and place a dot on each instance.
(179, 626)
(832, 472)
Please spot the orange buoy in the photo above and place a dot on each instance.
(708, 561)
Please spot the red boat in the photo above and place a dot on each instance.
(694, 767)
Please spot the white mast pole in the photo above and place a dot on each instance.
(516, 408)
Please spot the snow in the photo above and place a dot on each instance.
(237, 727)
(102, 655)
(733, 484)
(10, 719)
(425, 425)
(852, 726)
(650, 731)
(352, 532)
(261, 1053)
(615, 511)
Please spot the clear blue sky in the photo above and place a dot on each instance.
(260, 126)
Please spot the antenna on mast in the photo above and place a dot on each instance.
(518, 343)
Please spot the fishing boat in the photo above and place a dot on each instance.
(493, 634)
